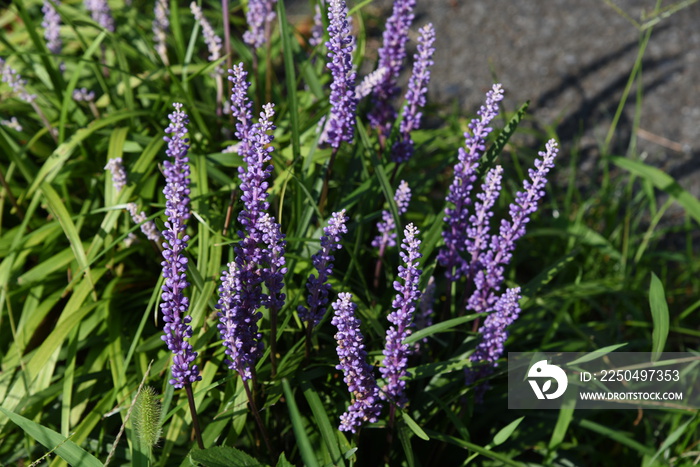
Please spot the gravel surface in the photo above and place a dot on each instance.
(572, 60)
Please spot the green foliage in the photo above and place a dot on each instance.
(79, 305)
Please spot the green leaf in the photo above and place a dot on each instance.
(324, 425)
(224, 456)
(505, 432)
(288, 45)
(283, 462)
(67, 449)
(440, 327)
(659, 316)
(502, 139)
(566, 414)
(303, 442)
(417, 430)
(672, 438)
(596, 354)
(663, 182)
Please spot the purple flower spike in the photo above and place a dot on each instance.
(241, 107)
(478, 230)
(318, 28)
(15, 81)
(238, 320)
(366, 405)
(493, 330)
(210, 38)
(318, 287)
(415, 97)
(488, 281)
(396, 351)
(100, 13)
(387, 226)
(391, 57)
(260, 15)
(457, 217)
(175, 305)
(160, 26)
(273, 255)
(370, 82)
(52, 25)
(118, 173)
(148, 228)
(341, 45)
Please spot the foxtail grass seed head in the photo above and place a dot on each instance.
(318, 286)
(396, 351)
(146, 417)
(174, 303)
(366, 404)
(458, 197)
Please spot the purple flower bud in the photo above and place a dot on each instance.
(260, 15)
(148, 228)
(318, 28)
(341, 45)
(213, 41)
(318, 287)
(366, 405)
(415, 97)
(457, 217)
(478, 230)
(387, 226)
(493, 330)
(241, 107)
(396, 351)
(391, 57)
(12, 123)
(160, 26)
(83, 95)
(52, 25)
(369, 82)
(118, 173)
(273, 256)
(15, 81)
(100, 13)
(174, 303)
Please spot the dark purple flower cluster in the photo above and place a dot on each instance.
(241, 108)
(341, 45)
(175, 305)
(318, 286)
(493, 332)
(273, 256)
(366, 405)
(396, 351)
(391, 57)
(260, 15)
(489, 277)
(457, 217)
(415, 96)
(479, 222)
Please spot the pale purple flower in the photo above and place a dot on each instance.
(259, 16)
(52, 25)
(396, 351)
(160, 26)
(148, 228)
(493, 331)
(213, 41)
(366, 405)
(318, 286)
(100, 13)
(318, 28)
(341, 124)
(83, 95)
(241, 108)
(369, 82)
(174, 303)
(387, 226)
(391, 57)
(489, 279)
(457, 216)
(415, 96)
(118, 173)
(15, 81)
(479, 222)
(12, 123)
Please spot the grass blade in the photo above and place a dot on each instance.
(659, 316)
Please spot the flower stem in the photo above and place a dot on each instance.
(258, 420)
(193, 412)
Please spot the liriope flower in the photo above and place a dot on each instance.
(15, 81)
(479, 222)
(369, 82)
(174, 303)
(341, 124)
(366, 404)
(318, 286)
(259, 16)
(118, 172)
(213, 41)
(387, 226)
(52, 26)
(396, 351)
(100, 13)
(489, 278)
(415, 97)
(391, 57)
(160, 26)
(457, 216)
(148, 228)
